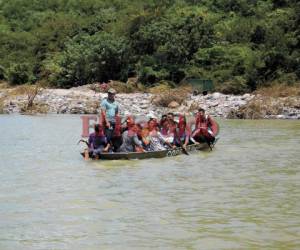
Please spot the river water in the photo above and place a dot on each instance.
(243, 195)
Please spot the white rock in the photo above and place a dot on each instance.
(216, 95)
(246, 96)
(173, 105)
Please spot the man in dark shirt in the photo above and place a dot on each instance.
(97, 143)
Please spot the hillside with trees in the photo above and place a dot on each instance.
(239, 44)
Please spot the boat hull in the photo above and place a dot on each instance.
(151, 154)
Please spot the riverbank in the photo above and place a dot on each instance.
(85, 100)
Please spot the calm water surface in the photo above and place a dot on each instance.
(243, 195)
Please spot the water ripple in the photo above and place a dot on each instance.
(243, 195)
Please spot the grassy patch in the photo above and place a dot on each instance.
(4, 85)
(120, 87)
(30, 91)
(166, 97)
(262, 106)
(1, 106)
(36, 108)
(159, 89)
(280, 90)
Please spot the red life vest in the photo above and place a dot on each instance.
(203, 126)
(183, 129)
(118, 127)
(203, 123)
(103, 119)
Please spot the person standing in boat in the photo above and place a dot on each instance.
(109, 110)
(203, 131)
(97, 143)
(116, 140)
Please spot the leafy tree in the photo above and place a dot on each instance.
(90, 58)
(19, 73)
(171, 42)
(2, 73)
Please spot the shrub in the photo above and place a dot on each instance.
(236, 86)
(90, 58)
(151, 74)
(280, 90)
(20, 74)
(122, 87)
(178, 95)
(2, 73)
(161, 87)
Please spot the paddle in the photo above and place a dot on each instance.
(207, 142)
(84, 141)
(85, 154)
(215, 141)
(184, 150)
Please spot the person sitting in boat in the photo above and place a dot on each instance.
(203, 131)
(172, 123)
(162, 120)
(129, 123)
(157, 141)
(143, 135)
(116, 139)
(146, 139)
(97, 143)
(182, 135)
(167, 132)
(131, 143)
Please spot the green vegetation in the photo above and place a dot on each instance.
(239, 44)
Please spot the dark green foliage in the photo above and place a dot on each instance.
(20, 73)
(259, 35)
(167, 44)
(86, 59)
(2, 73)
(239, 44)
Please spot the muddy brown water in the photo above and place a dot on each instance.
(243, 195)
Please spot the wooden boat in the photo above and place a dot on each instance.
(203, 145)
(153, 154)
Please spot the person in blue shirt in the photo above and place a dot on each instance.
(110, 108)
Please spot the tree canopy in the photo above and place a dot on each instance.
(240, 44)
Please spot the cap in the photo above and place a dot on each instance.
(112, 91)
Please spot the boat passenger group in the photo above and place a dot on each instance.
(154, 135)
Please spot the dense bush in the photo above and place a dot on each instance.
(87, 59)
(2, 73)
(240, 44)
(20, 73)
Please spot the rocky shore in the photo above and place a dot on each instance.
(83, 100)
